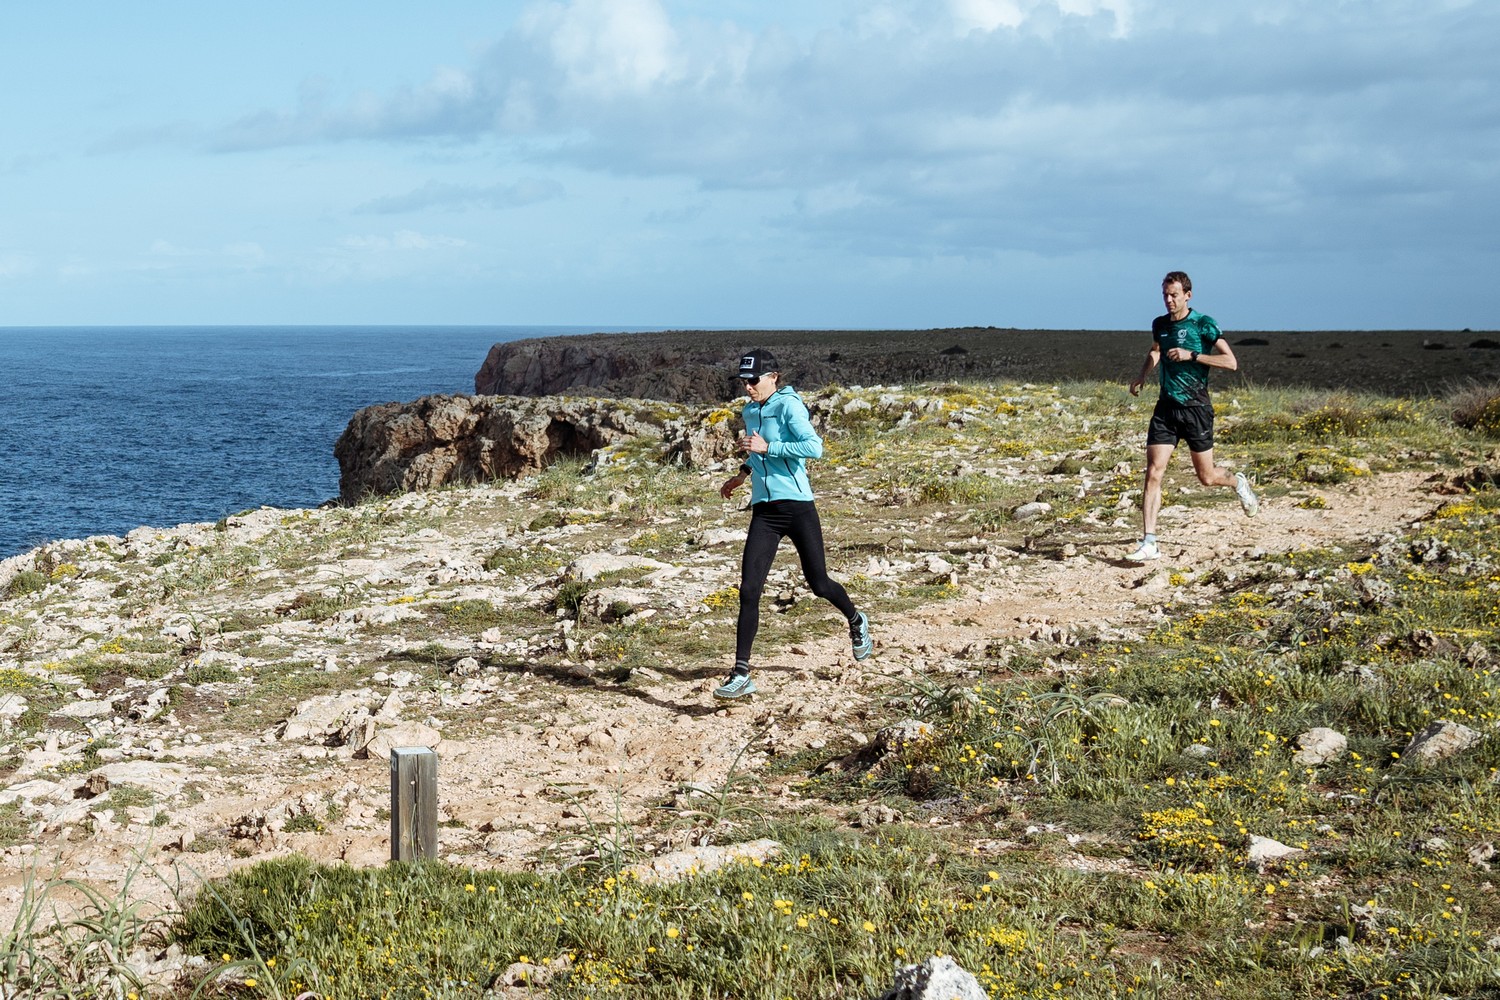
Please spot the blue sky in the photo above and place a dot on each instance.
(679, 163)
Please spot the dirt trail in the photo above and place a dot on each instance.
(514, 790)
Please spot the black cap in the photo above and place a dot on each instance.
(754, 364)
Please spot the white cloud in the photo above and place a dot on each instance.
(162, 252)
(400, 241)
(455, 196)
(988, 15)
(995, 15)
(1045, 125)
(15, 265)
(606, 47)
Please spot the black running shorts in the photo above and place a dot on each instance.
(1193, 424)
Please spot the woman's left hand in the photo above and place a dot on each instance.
(755, 443)
(730, 485)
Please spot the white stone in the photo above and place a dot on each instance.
(29, 791)
(12, 707)
(895, 737)
(596, 564)
(938, 566)
(1263, 851)
(319, 717)
(1440, 740)
(1319, 745)
(700, 860)
(86, 710)
(406, 734)
(938, 978)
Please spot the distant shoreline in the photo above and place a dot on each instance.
(597, 329)
(695, 364)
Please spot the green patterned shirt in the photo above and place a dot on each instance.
(1185, 382)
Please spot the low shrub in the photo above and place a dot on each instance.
(1478, 409)
(28, 581)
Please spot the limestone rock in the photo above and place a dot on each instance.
(149, 707)
(612, 603)
(937, 565)
(163, 779)
(700, 860)
(530, 974)
(1319, 746)
(719, 536)
(874, 814)
(318, 718)
(938, 978)
(86, 710)
(593, 565)
(438, 440)
(1372, 591)
(1264, 851)
(406, 734)
(12, 707)
(1031, 511)
(30, 791)
(894, 738)
(699, 442)
(1441, 740)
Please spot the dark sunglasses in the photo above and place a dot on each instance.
(751, 381)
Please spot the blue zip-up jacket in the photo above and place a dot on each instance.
(790, 439)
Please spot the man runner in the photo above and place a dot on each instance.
(1185, 345)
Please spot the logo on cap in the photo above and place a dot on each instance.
(757, 363)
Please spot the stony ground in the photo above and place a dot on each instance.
(219, 694)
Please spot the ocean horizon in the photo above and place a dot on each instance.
(107, 429)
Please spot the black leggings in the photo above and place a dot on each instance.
(770, 521)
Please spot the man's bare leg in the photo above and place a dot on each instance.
(1157, 458)
(1210, 474)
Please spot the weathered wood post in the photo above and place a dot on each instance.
(413, 803)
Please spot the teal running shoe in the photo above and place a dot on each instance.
(738, 686)
(859, 637)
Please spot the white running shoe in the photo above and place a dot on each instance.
(1247, 496)
(1144, 552)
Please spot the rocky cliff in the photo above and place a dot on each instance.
(443, 440)
(699, 366)
(642, 388)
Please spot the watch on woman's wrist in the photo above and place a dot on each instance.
(1195, 355)
(744, 469)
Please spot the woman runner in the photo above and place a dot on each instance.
(779, 438)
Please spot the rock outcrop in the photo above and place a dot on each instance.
(699, 367)
(442, 440)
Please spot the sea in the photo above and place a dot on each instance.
(105, 429)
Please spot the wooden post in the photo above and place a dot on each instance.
(413, 804)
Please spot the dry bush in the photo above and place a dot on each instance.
(1477, 408)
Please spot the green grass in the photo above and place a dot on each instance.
(14, 828)
(1078, 822)
(819, 921)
